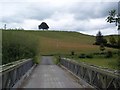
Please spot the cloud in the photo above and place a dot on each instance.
(86, 10)
(73, 15)
(22, 11)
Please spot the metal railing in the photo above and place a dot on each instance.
(11, 73)
(99, 78)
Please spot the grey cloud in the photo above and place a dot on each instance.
(18, 12)
(11, 19)
(92, 9)
(41, 11)
(25, 11)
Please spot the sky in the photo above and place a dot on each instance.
(84, 16)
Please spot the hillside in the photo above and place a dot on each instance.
(52, 42)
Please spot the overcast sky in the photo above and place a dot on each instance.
(85, 16)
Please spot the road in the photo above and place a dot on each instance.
(48, 75)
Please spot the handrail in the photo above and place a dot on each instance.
(8, 66)
(97, 77)
(13, 72)
(96, 68)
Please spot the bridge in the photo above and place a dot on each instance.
(68, 74)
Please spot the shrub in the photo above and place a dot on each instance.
(109, 54)
(37, 59)
(57, 60)
(89, 56)
(72, 53)
(17, 45)
(82, 56)
(102, 48)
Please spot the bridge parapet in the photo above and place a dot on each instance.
(11, 73)
(99, 78)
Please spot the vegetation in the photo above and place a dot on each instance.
(43, 26)
(56, 59)
(18, 45)
(37, 59)
(102, 48)
(100, 39)
(104, 60)
(114, 18)
(32, 44)
(112, 41)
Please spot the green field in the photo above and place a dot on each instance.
(54, 42)
(49, 42)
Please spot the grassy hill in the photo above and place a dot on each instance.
(47, 42)
(55, 41)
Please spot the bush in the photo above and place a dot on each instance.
(89, 56)
(82, 56)
(17, 45)
(57, 60)
(109, 54)
(97, 53)
(72, 53)
(37, 59)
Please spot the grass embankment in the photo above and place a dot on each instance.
(31, 43)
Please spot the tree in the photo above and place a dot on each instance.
(43, 26)
(114, 18)
(100, 39)
(112, 41)
(72, 53)
(102, 48)
(109, 54)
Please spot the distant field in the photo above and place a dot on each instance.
(52, 42)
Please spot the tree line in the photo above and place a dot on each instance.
(101, 40)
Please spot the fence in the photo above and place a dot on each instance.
(99, 78)
(10, 75)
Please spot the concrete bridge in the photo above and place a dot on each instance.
(48, 75)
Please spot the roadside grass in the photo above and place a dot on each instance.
(56, 59)
(37, 59)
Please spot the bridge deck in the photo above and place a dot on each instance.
(48, 75)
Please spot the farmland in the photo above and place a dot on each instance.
(32, 43)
